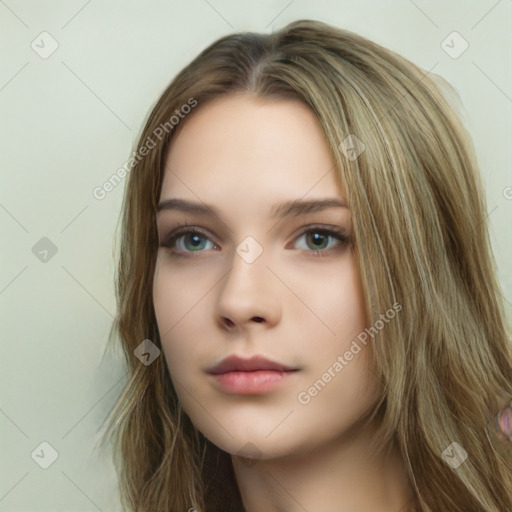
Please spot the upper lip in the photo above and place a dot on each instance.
(242, 364)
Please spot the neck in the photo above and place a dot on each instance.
(341, 476)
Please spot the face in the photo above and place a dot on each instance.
(247, 281)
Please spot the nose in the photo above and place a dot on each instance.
(248, 296)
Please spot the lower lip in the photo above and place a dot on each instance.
(245, 383)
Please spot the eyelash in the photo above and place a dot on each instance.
(182, 230)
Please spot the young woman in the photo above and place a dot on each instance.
(308, 301)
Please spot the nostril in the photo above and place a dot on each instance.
(228, 322)
(258, 319)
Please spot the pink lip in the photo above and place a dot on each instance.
(254, 375)
(235, 363)
(253, 382)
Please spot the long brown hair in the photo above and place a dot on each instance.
(421, 239)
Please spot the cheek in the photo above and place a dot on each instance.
(176, 299)
(177, 291)
(338, 303)
(339, 319)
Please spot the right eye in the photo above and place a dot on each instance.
(187, 241)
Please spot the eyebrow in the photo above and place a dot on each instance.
(289, 208)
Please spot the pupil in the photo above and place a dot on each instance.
(196, 241)
(316, 237)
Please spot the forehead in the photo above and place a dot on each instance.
(240, 145)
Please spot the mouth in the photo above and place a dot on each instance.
(252, 382)
(258, 363)
(256, 375)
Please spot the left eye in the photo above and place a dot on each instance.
(319, 237)
(193, 240)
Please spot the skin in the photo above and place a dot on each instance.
(243, 155)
